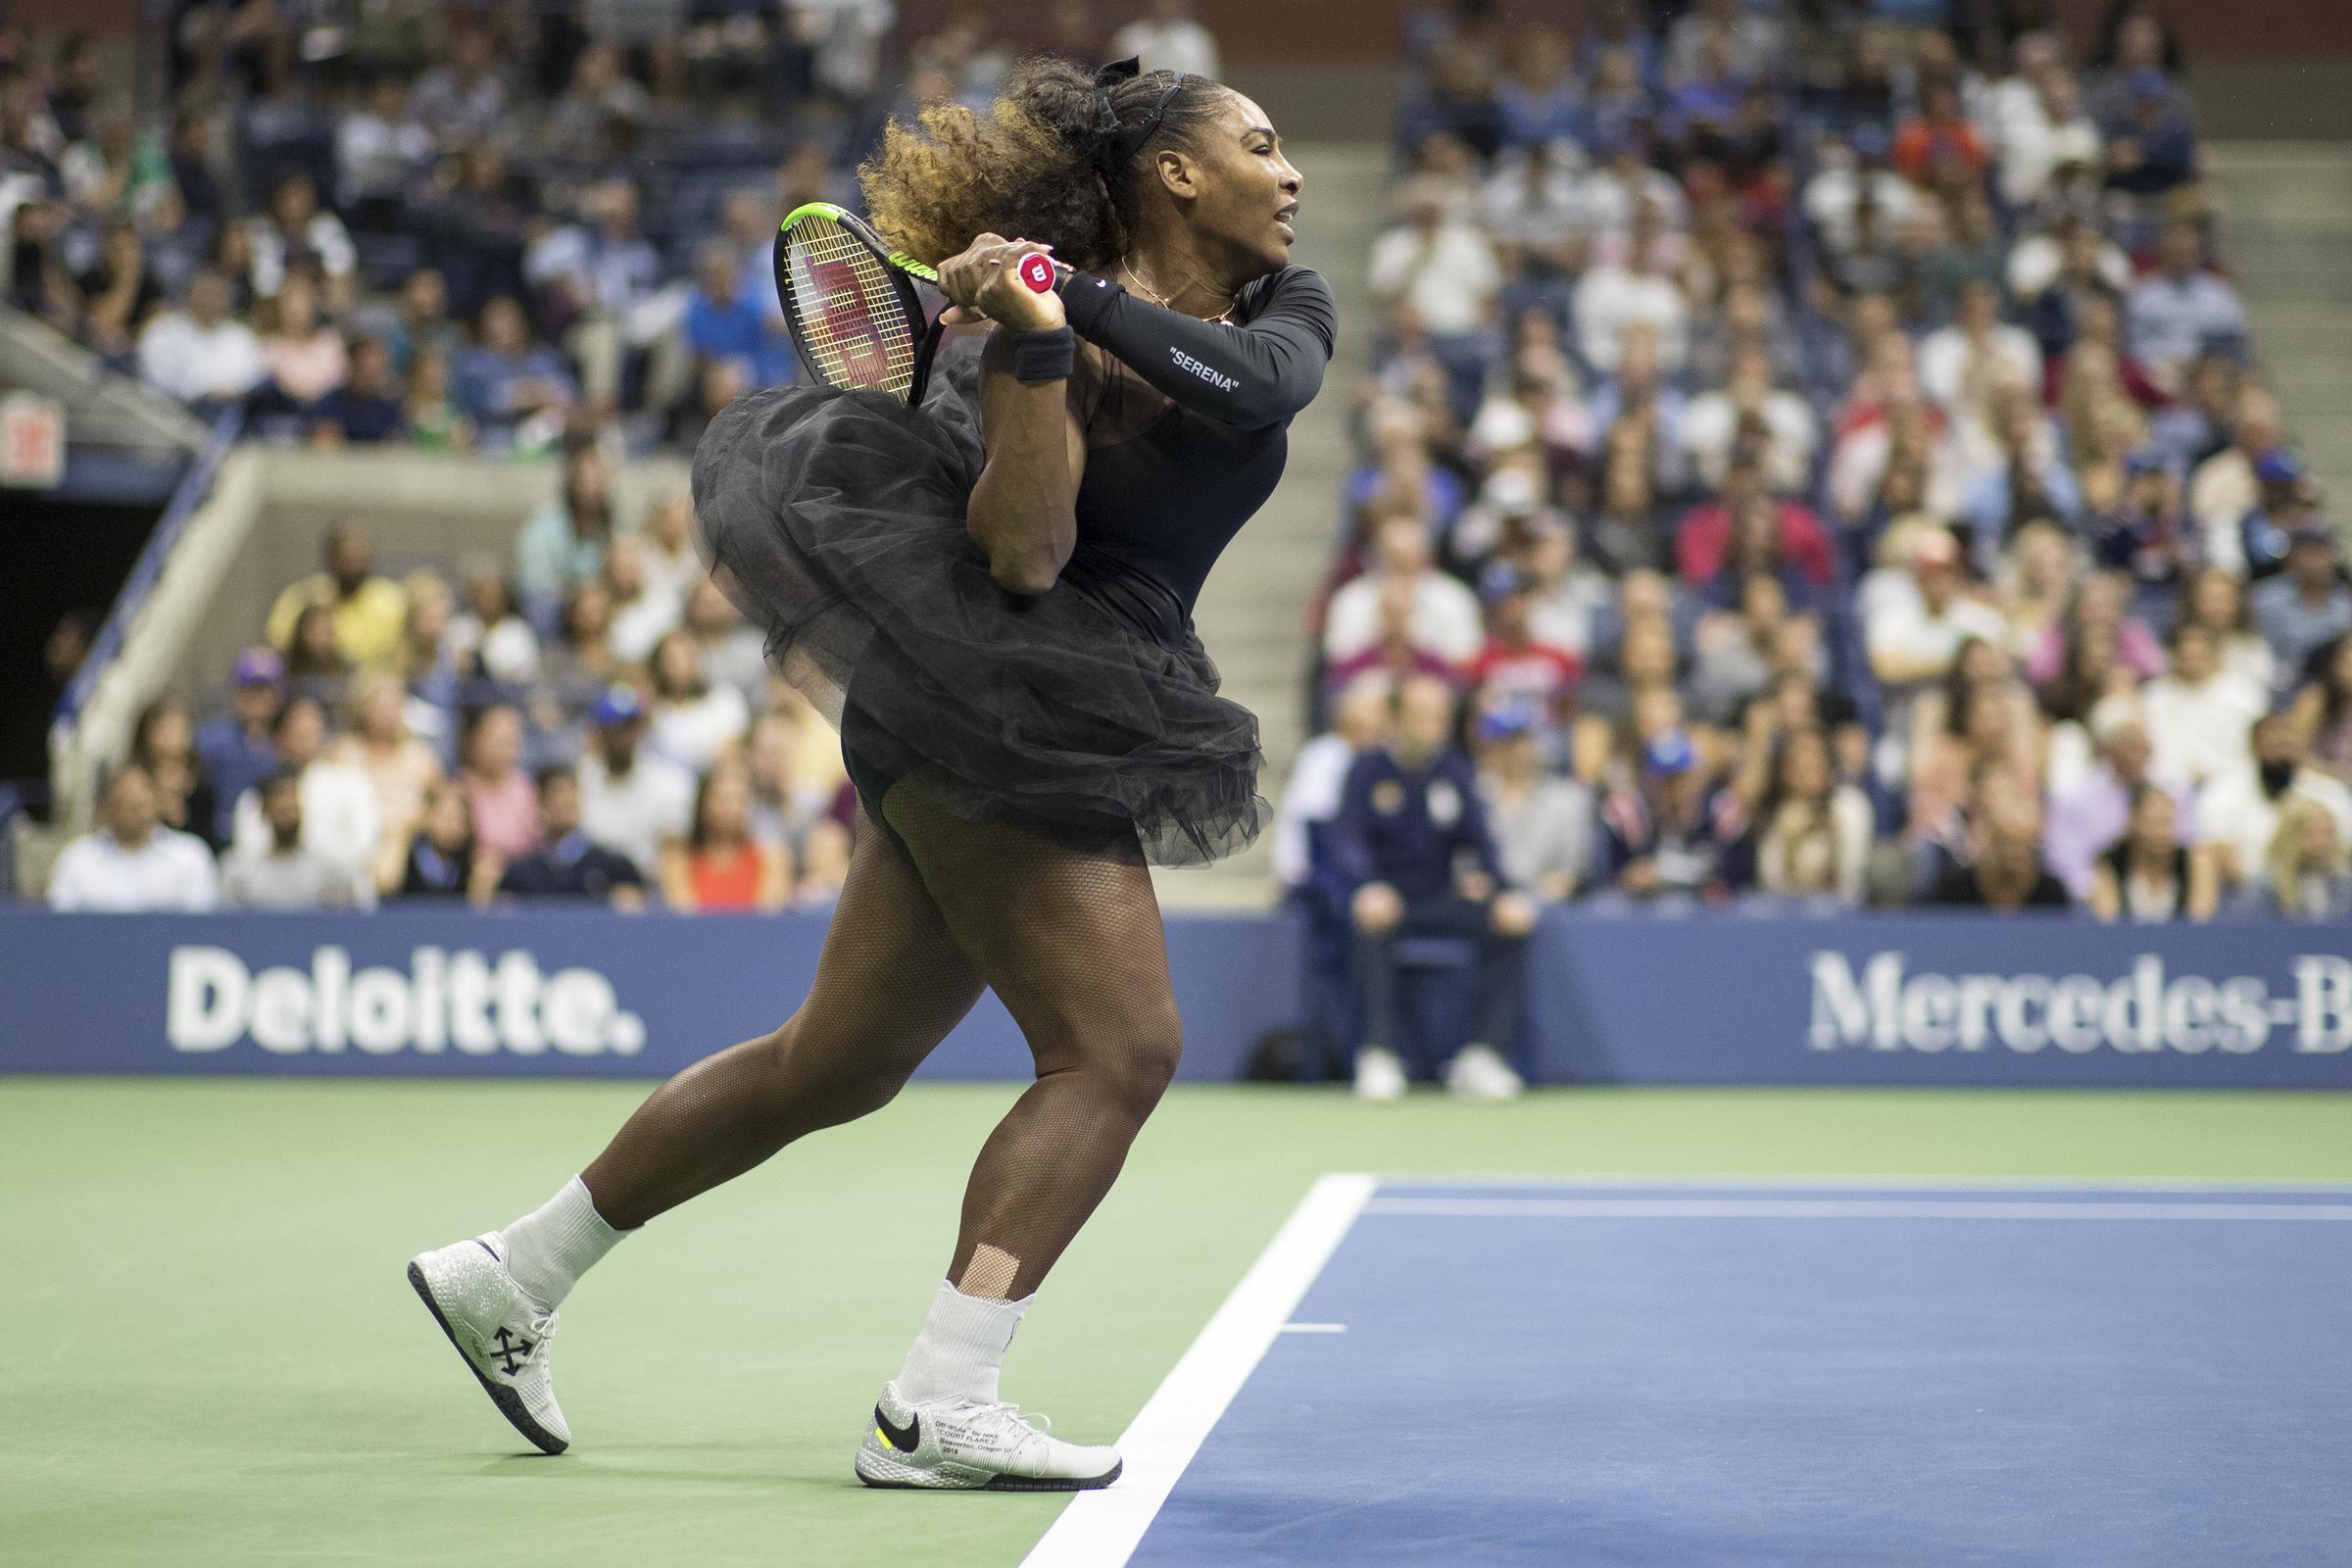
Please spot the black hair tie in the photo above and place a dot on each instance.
(1115, 145)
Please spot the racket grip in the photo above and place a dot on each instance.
(1038, 272)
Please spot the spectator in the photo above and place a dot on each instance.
(1706, 540)
(721, 864)
(1960, 362)
(131, 863)
(1442, 269)
(281, 871)
(2304, 876)
(1816, 835)
(294, 234)
(315, 666)
(1444, 616)
(1310, 797)
(163, 746)
(2093, 811)
(1395, 657)
(694, 720)
(463, 99)
(381, 150)
(1632, 287)
(2006, 872)
(367, 612)
(515, 394)
(2183, 309)
(2148, 875)
(235, 748)
(1411, 841)
(442, 861)
(2239, 813)
(2323, 709)
(733, 652)
(563, 543)
(399, 767)
(304, 355)
(490, 634)
(672, 570)
(1542, 824)
(198, 354)
(339, 819)
(1914, 632)
(594, 283)
(786, 803)
(1667, 835)
(1168, 39)
(1940, 147)
(504, 803)
(1517, 668)
(728, 326)
(431, 415)
(2307, 604)
(640, 611)
(630, 798)
(566, 862)
(2218, 601)
(366, 409)
(2199, 713)
(2151, 145)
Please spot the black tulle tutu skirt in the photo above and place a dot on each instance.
(836, 523)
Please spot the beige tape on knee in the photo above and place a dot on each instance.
(989, 1273)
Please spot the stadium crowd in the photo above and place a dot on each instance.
(538, 230)
(1809, 462)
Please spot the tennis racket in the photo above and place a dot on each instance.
(850, 305)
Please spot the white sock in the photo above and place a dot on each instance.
(549, 1248)
(962, 1345)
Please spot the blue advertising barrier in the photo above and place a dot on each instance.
(1707, 999)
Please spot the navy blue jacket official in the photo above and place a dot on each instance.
(1411, 827)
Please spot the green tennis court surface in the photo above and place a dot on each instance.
(212, 1358)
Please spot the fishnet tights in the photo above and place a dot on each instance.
(933, 908)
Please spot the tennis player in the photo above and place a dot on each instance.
(993, 592)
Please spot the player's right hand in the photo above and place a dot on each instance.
(984, 280)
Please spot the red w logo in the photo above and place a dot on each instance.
(853, 334)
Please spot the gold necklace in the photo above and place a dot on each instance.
(1160, 300)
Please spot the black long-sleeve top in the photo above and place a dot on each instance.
(1186, 426)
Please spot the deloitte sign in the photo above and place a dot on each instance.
(1886, 1006)
(445, 1001)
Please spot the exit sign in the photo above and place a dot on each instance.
(32, 441)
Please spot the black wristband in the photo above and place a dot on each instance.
(1045, 356)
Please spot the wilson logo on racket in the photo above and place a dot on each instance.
(853, 337)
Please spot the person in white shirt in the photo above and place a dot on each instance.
(641, 613)
(198, 354)
(1615, 296)
(1912, 638)
(1608, 197)
(2182, 310)
(1713, 421)
(1438, 264)
(132, 864)
(2198, 714)
(631, 800)
(694, 720)
(1831, 196)
(2239, 813)
(341, 820)
(1446, 617)
(1976, 352)
(1310, 798)
(1168, 39)
(284, 873)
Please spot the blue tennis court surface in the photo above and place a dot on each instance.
(1684, 1374)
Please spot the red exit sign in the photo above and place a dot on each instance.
(32, 441)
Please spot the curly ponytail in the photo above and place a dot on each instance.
(1042, 164)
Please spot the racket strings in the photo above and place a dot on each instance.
(847, 311)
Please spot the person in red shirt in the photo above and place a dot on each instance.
(1941, 144)
(1514, 668)
(1702, 542)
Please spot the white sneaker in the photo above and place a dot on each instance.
(501, 1333)
(963, 1445)
(1379, 1075)
(1479, 1072)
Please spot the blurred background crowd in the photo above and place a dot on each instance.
(1811, 453)
(1823, 460)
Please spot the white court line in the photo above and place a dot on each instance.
(1836, 1209)
(1537, 1181)
(1314, 1328)
(1101, 1529)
